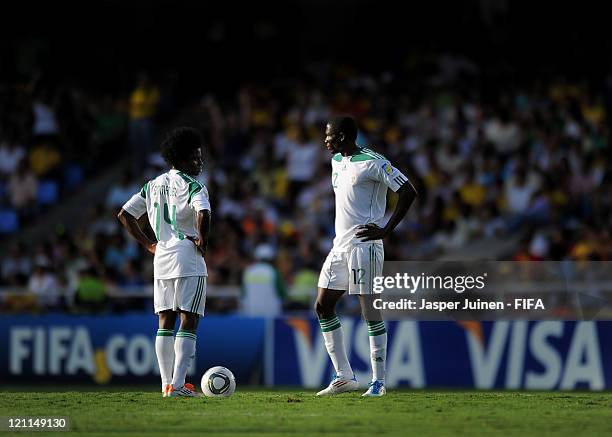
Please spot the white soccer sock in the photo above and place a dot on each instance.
(184, 348)
(378, 349)
(334, 343)
(164, 349)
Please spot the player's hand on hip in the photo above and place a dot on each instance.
(151, 248)
(198, 244)
(370, 232)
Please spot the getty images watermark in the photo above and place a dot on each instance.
(458, 284)
(493, 290)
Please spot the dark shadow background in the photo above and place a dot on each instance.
(215, 45)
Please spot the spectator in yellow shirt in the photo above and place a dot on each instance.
(472, 192)
(143, 107)
(44, 158)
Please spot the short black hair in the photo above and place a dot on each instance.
(345, 124)
(180, 144)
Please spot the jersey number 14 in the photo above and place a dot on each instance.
(171, 220)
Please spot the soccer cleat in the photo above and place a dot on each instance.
(166, 390)
(337, 386)
(186, 391)
(375, 389)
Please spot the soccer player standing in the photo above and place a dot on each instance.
(360, 178)
(179, 212)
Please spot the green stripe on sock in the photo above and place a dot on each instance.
(375, 324)
(331, 319)
(377, 332)
(376, 328)
(330, 328)
(186, 334)
(328, 322)
(330, 325)
(165, 334)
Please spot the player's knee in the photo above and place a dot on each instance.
(167, 319)
(189, 321)
(318, 308)
(322, 310)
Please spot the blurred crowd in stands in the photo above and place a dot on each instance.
(527, 162)
(51, 136)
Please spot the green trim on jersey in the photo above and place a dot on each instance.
(363, 154)
(185, 177)
(366, 154)
(143, 192)
(194, 188)
(371, 152)
(361, 157)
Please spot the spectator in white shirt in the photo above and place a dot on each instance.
(519, 190)
(302, 162)
(11, 154)
(23, 186)
(120, 193)
(44, 285)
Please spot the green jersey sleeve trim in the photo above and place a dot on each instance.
(188, 178)
(185, 177)
(144, 190)
(361, 157)
(194, 188)
(366, 154)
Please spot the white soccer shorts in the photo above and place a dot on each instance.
(354, 270)
(187, 294)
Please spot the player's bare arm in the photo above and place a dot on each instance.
(407, 194)
(130, 223)
(203, 224)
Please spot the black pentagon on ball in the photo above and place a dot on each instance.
(223, 388)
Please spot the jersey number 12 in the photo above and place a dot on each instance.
(358, 275)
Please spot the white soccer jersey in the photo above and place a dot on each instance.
(360, 184)
(172, 201)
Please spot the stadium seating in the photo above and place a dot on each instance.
(73, 176)
(48, 192)
(9, 221)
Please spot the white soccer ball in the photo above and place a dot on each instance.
(218, 381)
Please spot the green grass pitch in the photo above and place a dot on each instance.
(299, 413)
